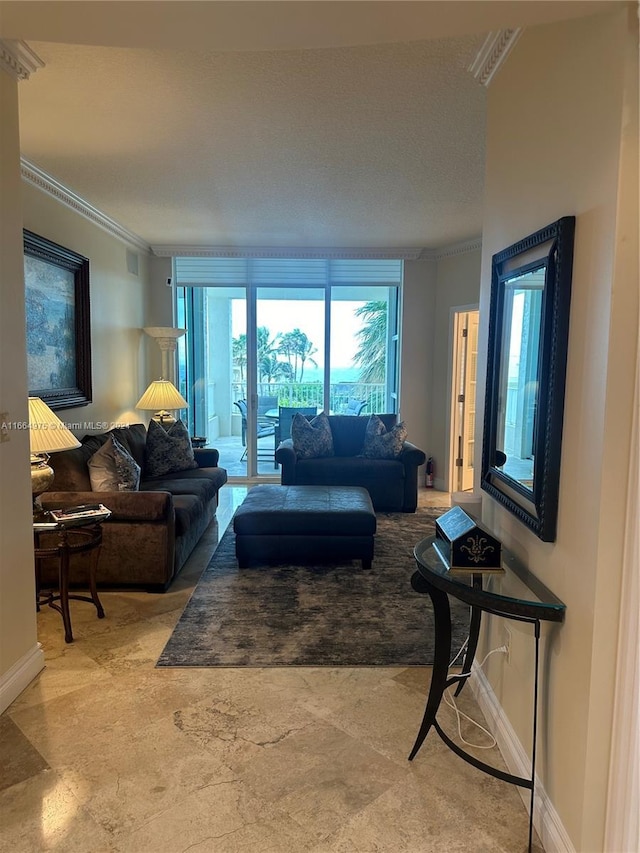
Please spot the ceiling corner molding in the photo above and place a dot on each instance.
(493, 53)
(458, 249)
(35, 176)
(18, 60)
(296, 253)
(427, 255)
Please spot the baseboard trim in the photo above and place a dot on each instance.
(546, 819)
(21, 674)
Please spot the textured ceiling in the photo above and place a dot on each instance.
(374, 144)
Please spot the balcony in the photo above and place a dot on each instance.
(311, 394)
(229, 441)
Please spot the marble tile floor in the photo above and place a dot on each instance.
(103, 753)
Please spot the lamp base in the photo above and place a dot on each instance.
(164, 418)
(41, 475)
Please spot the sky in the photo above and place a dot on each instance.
(286, 315)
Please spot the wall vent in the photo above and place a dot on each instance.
(132, 262)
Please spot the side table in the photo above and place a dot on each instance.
(484, 594)
(61, 542)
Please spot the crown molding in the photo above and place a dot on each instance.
(18, 60)
(493, 53)
(285, 252)
(35, 176)
(458, 249)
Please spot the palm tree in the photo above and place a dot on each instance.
(287, 348)
(297, 348)
(239, 353)
(269, 368)
(304, 350)
(372, 348)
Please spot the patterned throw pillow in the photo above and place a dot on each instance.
(380, 444)
(113, 469)
(168, 451)
(312, 439)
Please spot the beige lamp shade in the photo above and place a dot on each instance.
(47, 433)
(160, 397)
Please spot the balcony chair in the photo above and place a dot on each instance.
(265, 428)
(285, 419)
(354, 407)
(266, 404)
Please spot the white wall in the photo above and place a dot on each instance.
(556, 114)
(416, 363)
(458, 285)
(118, 302)
(20, 657)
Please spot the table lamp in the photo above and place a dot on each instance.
(160, 397)
(47, 434)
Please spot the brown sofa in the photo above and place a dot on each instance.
(391, 483)
(151, 532)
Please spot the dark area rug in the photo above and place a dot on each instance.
(318, 615)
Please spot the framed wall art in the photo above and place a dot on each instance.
(58, 323)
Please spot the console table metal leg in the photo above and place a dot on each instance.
(534, 733)
(441, 658)
(472, 645)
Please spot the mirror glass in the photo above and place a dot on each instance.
(526, 366)
(518, 391)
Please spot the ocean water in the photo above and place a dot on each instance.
(338, 374)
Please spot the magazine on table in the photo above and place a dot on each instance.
(80, 513)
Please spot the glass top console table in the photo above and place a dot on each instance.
(484, 593)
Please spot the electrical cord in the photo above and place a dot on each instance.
(463, 648)
(450, 701)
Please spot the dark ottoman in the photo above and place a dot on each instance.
(305, 524)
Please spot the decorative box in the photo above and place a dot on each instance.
(465, 545)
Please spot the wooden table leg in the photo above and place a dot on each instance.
(92, 583)
(64, 590)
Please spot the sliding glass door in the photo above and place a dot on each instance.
(364, 350)
(267, 335)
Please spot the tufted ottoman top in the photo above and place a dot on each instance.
(303, 510)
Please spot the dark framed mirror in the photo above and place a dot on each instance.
(526, 368)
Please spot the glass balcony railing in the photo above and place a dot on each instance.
(225, 432)
(311, 394)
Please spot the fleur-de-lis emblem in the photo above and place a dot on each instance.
(477, 548)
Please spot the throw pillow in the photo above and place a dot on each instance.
(168, 451)
(113, 469)
(312, 439)
(380, 443)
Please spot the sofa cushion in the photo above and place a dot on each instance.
(202, 487)
(380, 443)
(217, 476)
(70, 466)
(347, 470)
(188, 510)
(113, 469)
(348, 432)
(168, 450)
(133, 438)
(311, 439)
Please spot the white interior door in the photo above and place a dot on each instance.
(465, 359)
